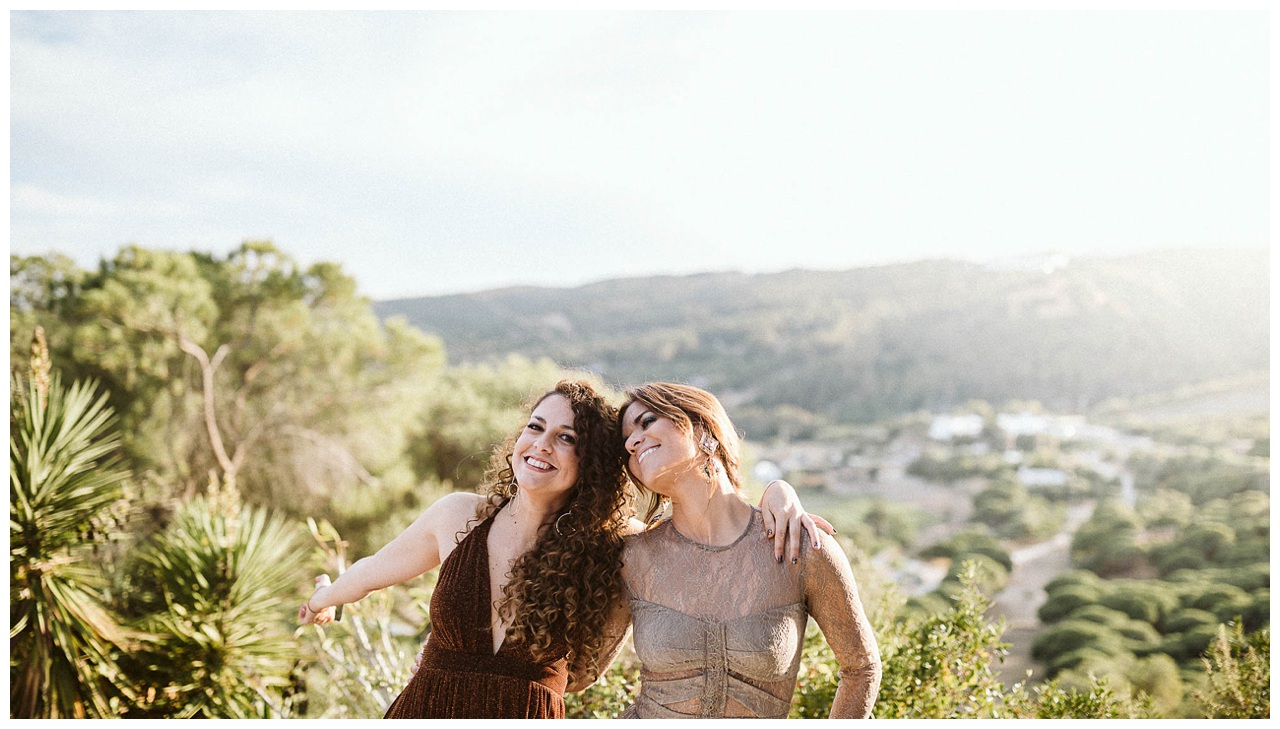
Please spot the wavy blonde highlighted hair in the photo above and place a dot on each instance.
(695, 412)
(560, 591)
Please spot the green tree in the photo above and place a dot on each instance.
(64, 477)
(271, 375)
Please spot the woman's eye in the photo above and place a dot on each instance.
(568, 439)
(533, 426)
(646, 422)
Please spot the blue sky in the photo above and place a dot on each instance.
(440, 152)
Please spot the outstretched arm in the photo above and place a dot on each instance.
(415, 551)
(785, 517)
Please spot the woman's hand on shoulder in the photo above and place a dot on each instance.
(785, 518)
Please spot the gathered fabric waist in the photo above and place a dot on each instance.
(554, 677)
(657, 694)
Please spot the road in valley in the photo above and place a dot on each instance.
(1033, 567)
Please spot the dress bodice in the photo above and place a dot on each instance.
(719, 629)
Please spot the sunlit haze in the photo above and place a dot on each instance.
(439, 152)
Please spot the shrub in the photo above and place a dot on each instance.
(1239, 676)
(1189, 644)
(1147, 601)
(1072, 635)
(1096, 700)
(1113, 619)
(1073, 577)
(1066, 600)
(1187, 618)
(942, 666)
(1225, 601)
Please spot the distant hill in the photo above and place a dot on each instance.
(862, 344)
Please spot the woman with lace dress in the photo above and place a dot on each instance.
(529, 572)
(718, 620)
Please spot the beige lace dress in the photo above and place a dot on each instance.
(719, 629)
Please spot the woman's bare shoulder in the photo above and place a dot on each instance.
(455, 510)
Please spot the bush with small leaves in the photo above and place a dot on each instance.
(943, 666)
(1238, 676)
(1095, 701)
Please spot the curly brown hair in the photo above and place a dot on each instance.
(562, 589)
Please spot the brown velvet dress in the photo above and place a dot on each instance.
(461, 677)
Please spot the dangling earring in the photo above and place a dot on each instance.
(709, 445)
(513, 488)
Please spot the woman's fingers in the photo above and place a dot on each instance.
(794, 526)
(769, 523)
(822, 524)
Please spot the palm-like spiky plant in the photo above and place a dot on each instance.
(220, 586)
(63, 474)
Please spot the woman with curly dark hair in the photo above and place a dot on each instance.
(530, 573)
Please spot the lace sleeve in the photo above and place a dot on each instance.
(584, 672)
(831, 596)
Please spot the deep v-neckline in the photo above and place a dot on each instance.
(494, 616)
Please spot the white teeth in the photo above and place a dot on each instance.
(647, 452)
(537, 463)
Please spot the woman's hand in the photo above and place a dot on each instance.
(784, 516)
(308, 615)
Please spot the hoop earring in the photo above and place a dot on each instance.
(557, 525)
(513, 489)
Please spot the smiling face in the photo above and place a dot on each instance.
(659, 450)
(545, 458)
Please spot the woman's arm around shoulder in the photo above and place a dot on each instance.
(421, 547)
(831, 596)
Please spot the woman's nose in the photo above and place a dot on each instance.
(632, 442)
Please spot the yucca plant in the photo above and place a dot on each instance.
(218, 587)
(63, 476)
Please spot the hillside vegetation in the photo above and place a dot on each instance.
(863, 344)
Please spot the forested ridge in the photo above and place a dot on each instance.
(194, 436)
(866, 343)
